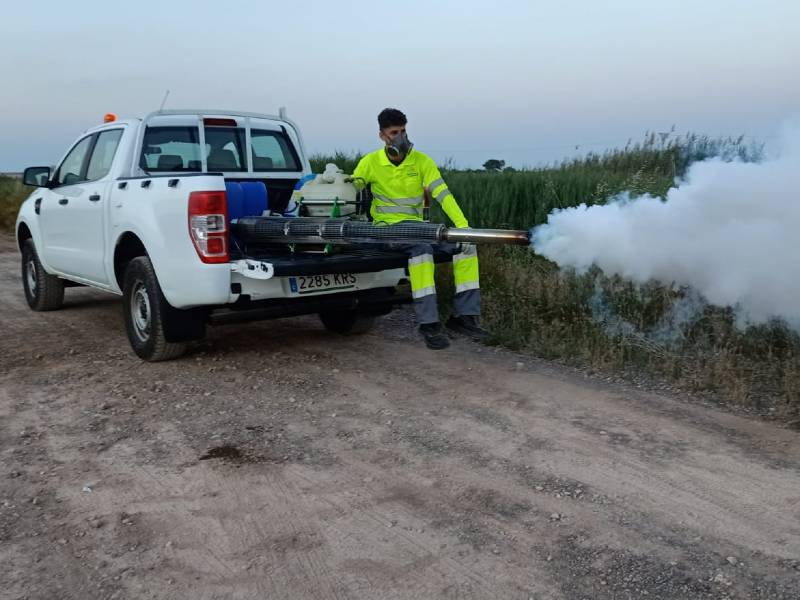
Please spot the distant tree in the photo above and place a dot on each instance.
(494, 165)
(509, 170)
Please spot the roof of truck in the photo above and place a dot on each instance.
(216, 112)
(180, 116)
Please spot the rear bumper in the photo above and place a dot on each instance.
(376, 301)
(374, 269)
(286, 286)
(222, 286)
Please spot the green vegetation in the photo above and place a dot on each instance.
(12, 193)
(346, 161)
(532, 306)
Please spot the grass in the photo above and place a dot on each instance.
(533, 306)
(344, 160)
(12, 193)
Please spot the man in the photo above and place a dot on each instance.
(399, 177)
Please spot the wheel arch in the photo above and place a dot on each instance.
(23, 234)
(128, 247)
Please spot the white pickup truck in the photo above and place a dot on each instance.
(142, 207)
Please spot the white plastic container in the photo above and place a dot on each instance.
(318, 197)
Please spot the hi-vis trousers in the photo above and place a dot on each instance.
(467, 300)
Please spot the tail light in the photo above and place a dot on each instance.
(208, 225)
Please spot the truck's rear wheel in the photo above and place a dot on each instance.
(145, 310)
(347, 322)
(42, 290)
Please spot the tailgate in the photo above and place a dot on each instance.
(352, 261)
(308, 274)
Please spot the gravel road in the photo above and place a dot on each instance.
(279, 461)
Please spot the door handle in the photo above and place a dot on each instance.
(94, 197)
(63, 201)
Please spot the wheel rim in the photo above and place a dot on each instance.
(140, 311)
(30, 276)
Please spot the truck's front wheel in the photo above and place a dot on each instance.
(145, 310)
(42, 290)
(347, 322)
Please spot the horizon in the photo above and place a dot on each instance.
(531, 84)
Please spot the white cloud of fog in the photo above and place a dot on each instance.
(730, 230)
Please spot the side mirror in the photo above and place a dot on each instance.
(36, 176)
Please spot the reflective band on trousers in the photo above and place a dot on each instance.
(466, 272)
(469, 285)
(426, 291)
(421, 272)
(422, 258)
(402, 210)
(464, 256)
(401, 201)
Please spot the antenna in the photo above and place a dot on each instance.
(163, 102)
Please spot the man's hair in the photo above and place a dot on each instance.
(391, 117)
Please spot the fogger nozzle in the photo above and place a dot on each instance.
(487, 236)
(304, 230)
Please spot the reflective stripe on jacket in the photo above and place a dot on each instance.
(398, 191)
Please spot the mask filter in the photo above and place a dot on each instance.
(399, 146)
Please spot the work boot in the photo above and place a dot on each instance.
(467, 325)
(435, 339)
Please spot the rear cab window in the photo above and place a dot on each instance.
(272, 151)
(225, 149)
(176, 143)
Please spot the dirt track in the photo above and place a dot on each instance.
(279, 461)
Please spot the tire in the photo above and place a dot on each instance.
(42, 290)
(347, 322)
(145, 310)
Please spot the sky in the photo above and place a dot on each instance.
(525, 82)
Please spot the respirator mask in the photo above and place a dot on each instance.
(399, 146)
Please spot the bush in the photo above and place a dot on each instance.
(12, 193)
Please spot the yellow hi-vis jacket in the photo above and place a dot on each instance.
(398, 190)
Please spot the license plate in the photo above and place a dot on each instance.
(314, 284)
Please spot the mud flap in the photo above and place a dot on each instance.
(184, 325)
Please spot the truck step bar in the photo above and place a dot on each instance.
(375, 302)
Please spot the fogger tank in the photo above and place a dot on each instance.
(326, 195)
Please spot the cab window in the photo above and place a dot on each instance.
(272, 151)
(72, 168)
(103, 154)
(171, 149)
(224, 149)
